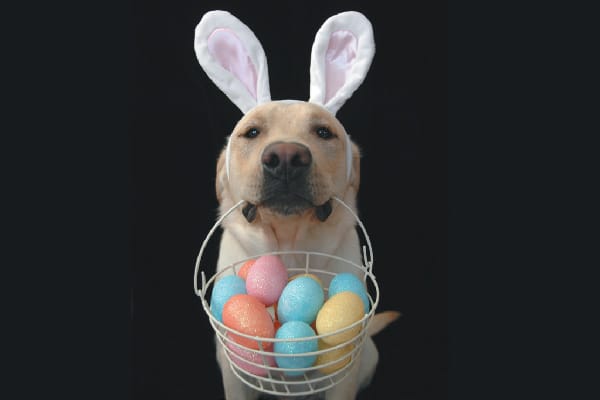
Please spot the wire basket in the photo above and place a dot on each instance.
(256, 367)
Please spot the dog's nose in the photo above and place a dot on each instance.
(286, 160)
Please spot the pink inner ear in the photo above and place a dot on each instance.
(230, 52)
(339, 58)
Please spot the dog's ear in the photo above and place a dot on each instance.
(233, 58)
(341, 56)
(221, 177)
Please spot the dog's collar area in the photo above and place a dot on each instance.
(322, 212)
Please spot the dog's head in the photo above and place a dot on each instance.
(288, 157)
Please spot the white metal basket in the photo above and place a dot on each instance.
(266, 376)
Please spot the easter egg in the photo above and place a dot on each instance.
(316, 278)
(340, 311)
(300, 300)
(249, 316)
(223, 289)
(242, 355)
(293, 330)
(243, 272)
(349, 282)
(329, 356)
(266, 279)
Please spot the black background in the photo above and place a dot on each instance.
(108, 153)
(179, 123)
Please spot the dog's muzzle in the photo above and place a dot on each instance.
(285, 186)
(286, 189)
(322, 212)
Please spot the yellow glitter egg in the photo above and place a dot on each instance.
(333, 355)
(340, 311)
(316, 278)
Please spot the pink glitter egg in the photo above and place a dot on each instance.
(266, 279)
(241, 355)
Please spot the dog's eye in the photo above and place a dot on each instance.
(324, 133)
(251, 133)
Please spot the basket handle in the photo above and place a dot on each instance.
(368, 262)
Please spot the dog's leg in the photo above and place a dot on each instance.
(234, 388)
(359, 377)
(368, 363)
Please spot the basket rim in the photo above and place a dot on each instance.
(339, 375)
(364, 320)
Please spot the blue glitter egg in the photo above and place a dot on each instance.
(300, 300)
(349, 282)
(294, 330)
(223, 289)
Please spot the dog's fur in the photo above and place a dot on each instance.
(292, 212)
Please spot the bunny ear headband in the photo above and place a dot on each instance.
(235, 61)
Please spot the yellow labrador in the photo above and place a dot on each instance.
(287, 160)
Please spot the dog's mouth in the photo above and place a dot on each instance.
(280, 206)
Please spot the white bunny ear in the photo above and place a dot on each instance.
(233, 58)
(341, 56)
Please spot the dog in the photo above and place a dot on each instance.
(288, 163)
